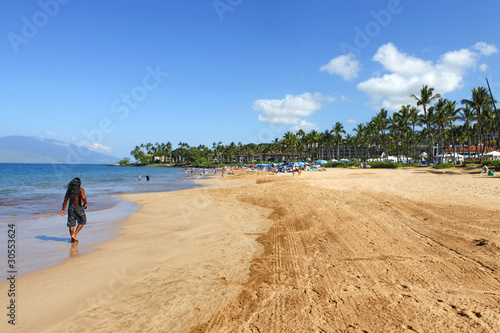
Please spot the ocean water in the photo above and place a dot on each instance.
(30, 191)
(31, 197)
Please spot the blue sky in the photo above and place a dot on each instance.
(113, 74)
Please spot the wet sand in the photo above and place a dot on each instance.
(45, 242)
(341, 250)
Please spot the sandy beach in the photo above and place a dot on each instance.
(343, 250)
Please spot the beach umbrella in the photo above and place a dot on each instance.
(320, 162)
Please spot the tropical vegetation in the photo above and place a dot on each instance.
(419, 133)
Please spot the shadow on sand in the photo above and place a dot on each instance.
(54, 239)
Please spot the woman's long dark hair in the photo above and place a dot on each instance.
(73, 189)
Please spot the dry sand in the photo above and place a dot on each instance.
(341, 250)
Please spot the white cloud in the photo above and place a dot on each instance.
(305, 126)
(457, 60)
(345, 98)
(330, 98)
(346, 66)
(485, 49)
(57, 143)
(408, 74)
(288, 111)
(395, 61)
(97, 147)
(351, 121)
(51, 134)
(483, 67)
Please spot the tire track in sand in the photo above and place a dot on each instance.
(338, 260)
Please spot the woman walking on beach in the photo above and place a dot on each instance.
(76, 196)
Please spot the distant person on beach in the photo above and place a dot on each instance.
(147, 178)
(139, 177)
(75, 195)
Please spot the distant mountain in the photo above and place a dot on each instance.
(27, 149)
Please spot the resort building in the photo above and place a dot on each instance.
(266, 157)
(470, 151)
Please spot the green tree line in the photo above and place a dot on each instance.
(435, 124)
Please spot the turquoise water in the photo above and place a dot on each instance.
(30, 191)
(31, 197)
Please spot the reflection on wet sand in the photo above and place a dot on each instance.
(73, 251)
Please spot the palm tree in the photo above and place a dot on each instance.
(488, 125)
(148, 147)
(240, 149)
(290, 142)
(450, 117)
(300, 141)
(338, 130)
(478, 102)
(169, 150)
(217, 149)
(404, 116)
(310, 139)
(360, 135)
(372, 136)
(395, 124)
(381, 123)
(231, 148)
(467, 115)
(316, 139)
(461, 135)
(349, 142)
(426, 97)
(327, 140)
(251, 149)
(414, 119)
(440, 121)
